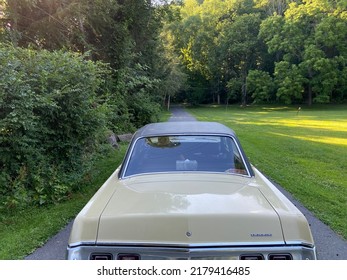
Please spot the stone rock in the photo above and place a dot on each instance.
(125, 137)
(113, 140)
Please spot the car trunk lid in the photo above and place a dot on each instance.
(188, 210)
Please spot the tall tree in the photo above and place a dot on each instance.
(48, 24)
(240, 48)
(122, 33)
(310, 38)
(218, 42)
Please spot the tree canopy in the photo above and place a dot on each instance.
(199, 50)
(73, 71)
(298, 47)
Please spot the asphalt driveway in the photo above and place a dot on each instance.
(330, 246)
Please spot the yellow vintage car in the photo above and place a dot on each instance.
(186, 190)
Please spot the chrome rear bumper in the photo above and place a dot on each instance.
(297, 252)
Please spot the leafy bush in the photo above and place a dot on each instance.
(50, 118)
(260, 85)
(139, 89)
(143, 109)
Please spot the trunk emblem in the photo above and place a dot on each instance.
(261, 234)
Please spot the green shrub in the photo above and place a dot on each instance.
(51, 117)
(143, 110)
(139, 90)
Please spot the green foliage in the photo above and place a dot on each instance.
(197, 91)
(137, 88)
(24, 230)
(218, 41)
(121, 33)
(50, 122)
(302, 44)
(234, 87)
(309, 39)
(56, 107)
(289, 81)
(260, 85)
(239, 45)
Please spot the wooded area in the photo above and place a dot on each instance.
(74, 71)
(289, 51)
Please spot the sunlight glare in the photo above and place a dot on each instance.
(318, 139)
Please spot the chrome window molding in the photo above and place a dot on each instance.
(133, 144)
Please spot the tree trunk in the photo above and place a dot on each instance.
(244, 84)
(168, 102)
(244, 95)
(309, 98)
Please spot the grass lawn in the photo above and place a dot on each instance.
(305, 152)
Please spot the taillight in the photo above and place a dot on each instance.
(252, 257)
(128, 257)
(280, 257)
(101, 256)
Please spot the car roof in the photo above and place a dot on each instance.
(183, 128)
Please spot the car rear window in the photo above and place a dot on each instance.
(185, 154)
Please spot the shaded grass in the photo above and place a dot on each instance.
(164, 116)
(21, 232)
(304, 151)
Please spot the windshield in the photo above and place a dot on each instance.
(185, 153)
